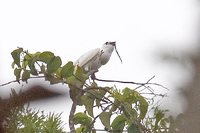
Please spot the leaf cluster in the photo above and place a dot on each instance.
(27, 120)
(49, 66)
(122, 111)
(128, 108)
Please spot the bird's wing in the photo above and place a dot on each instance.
(87, 57)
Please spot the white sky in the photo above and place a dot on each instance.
(69, 28)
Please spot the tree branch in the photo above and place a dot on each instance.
(13, 81)
(131, 82)
(73, 110)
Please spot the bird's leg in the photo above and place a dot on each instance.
(93, 77)
(92, 74)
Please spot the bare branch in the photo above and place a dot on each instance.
(131, 82)
(13, 81)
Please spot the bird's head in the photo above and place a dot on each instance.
(108, 46)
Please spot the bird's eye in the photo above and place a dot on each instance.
(106, 43)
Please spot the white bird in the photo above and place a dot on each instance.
(95, 58)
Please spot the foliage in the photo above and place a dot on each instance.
(120, 110)
(26, 120)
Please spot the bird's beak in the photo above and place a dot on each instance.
(113, 43)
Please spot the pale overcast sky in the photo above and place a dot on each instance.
(70, 28)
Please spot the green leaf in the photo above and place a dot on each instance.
(31, 64)
(81, 129)
(83, 119)
(88, 102)
(118, 96)
(130, 113)
(28, 56)
(24, 64)
(78, 78)
(80, 73)
(143, 106)
(159, 116)
(13, 65)
(97, 93)
(58, 72)
(118, 124)
(54, 64)
(74, 91)
(16, 56)
(99, 97)
(46, 56)
(133, 128)
(25, 75)
(17, 73)
(105, 119)
(129, 95)
(43, 69)
(37, 54)
(33, 71)
(115, 105)
(53, 80)
(92, 93)
(74, 82)
(67, 70)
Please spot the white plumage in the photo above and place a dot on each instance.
(95, 58)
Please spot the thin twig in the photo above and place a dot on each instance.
(101, 105)
(94, 120)
(151, 78)
(161, 95)
(145, 87)
(13, 81)
(131, 82)
(92, 88)
(4, 84)
(148, 88)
